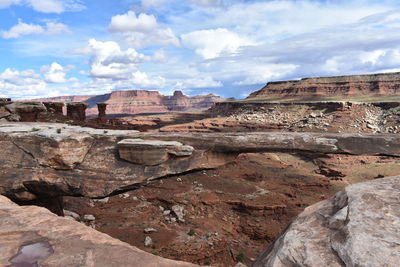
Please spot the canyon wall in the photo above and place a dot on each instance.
(140, 101)
(374, 85)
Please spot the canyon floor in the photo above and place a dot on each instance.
(231, 213)
(249, 176)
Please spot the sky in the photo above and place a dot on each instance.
(226, 47)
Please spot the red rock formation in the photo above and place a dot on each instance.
(54, 107)
(76, 111)
(374, 85)
(140, 101)
(102, 117)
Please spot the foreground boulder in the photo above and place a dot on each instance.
(32, 235)
(359, 226)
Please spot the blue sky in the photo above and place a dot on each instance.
(228, 47)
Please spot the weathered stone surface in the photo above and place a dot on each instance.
(54, 107)
(76, 111)
(359, 226)
(50, 160)
(335, 143)
(64, 242)
(42, 160)
(151, 152)
(28, 111)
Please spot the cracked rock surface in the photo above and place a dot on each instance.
(359, 226)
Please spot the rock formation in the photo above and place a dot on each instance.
(33, 236)
(102, 117)
(54, 107)
(151, 152)
(374, 85)
(140, 101)
(359, 226)
(76, 111)
(41, 162)
(25, 111)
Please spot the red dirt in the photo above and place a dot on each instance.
(231, 211)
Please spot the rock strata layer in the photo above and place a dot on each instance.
(359, 226)
(32, 235)
(385, 84)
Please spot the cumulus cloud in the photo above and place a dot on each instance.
(142, 30)
(46, 6)
(212, 43)
(109, 61)
(22, 29)
(16, 83)
(55, 73)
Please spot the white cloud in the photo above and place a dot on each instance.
(22, 29)
(212, 43)
(129, 22)
(109, 62)
(142, 30)
(55, 73)
(46, 6)
(198, 82)
(16, 83)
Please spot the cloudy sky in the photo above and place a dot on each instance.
(227, 47)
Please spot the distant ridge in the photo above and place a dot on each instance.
(380, 85)
(141, 101)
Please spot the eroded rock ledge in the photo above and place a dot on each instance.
(359, 226)
(51, 160)
(63, 242)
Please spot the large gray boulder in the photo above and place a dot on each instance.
(359, 226)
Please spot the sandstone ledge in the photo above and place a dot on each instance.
(73, 243)
(55, 159)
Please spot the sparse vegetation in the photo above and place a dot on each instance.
(191, 232)
(240, 257)
(35, 129)
(58, 131)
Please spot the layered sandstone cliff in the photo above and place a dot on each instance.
(141, 101)
(374, 85)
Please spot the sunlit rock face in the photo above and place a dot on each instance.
(374, 85)
(356, 227)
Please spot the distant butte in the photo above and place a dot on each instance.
(141, 101)
(382, 87)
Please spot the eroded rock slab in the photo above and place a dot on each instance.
(44, 159)
(359, 226)
(34, 235)
(151, 152)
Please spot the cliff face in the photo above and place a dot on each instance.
(374, 85)
(140, 101)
